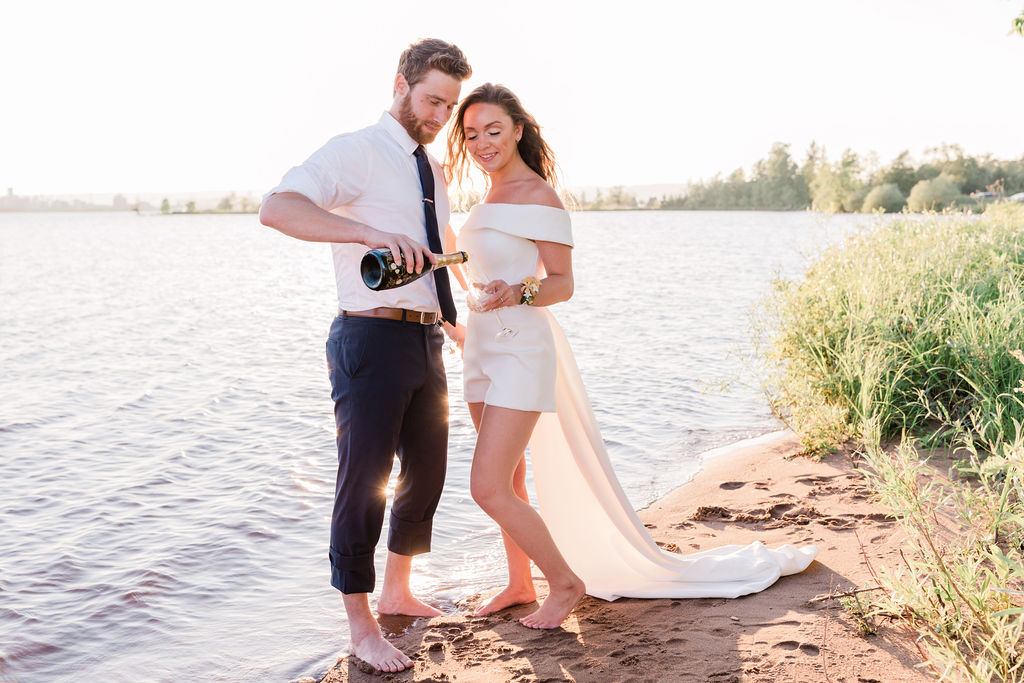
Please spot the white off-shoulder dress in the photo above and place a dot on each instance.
(580, 499)
(517, 370)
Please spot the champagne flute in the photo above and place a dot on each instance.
(477, 276)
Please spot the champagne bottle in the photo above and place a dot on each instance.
(380, 271)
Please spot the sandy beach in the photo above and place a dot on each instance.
(789, 632)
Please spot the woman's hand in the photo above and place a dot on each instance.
(457, 333)
(497, 294)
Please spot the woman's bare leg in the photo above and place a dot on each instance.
(520, 588)
(502, 437)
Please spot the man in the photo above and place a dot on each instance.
(371, 189)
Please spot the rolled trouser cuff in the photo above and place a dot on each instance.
(409, 538)
(352, 573)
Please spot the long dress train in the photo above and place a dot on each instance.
(599, 534)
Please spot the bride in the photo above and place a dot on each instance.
(523, 389)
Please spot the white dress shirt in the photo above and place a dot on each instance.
(370, 176)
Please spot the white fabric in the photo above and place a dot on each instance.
(580, 499)
(597, 530)
(370, 176)
(515, 371)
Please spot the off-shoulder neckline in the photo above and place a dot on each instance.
(542, 206)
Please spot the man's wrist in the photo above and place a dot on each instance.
(366, 235)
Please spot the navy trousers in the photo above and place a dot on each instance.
(390, 397)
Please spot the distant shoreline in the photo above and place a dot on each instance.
(958, 209)
(107, 209)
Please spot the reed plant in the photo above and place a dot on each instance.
(907, 337)
(911, 324)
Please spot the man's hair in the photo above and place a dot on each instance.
(431, 53)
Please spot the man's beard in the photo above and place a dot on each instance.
(417, 128)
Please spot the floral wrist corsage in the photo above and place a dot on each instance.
(531, 286)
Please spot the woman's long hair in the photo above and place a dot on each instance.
(532, 147)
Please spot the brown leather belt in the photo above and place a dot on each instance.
(421, 317)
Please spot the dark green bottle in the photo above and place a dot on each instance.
(380, 271)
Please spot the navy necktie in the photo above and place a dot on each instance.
(444, 289)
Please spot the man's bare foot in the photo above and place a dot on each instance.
(405, 605)
(556, 606)
(379, 653)
(507, 598)
(395, 596)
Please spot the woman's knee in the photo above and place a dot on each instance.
(487, 494)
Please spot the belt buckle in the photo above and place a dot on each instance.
(423, 317)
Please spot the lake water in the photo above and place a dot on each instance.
(166, 436)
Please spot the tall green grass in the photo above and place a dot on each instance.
(913, 332)
(911, 325)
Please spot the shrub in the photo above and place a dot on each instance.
(887, 198)
(854, 198)
(934, 194)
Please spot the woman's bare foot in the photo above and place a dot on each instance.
(556, 606)
(373, 649)
(405, 605)
(507, 598)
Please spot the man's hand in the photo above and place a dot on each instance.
(296, 216)
(403, 248)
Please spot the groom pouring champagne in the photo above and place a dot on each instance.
(375, 188)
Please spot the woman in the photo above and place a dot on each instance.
(509, 374)
(523, 387)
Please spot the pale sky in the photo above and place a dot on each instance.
(128, 96)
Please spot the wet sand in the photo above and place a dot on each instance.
(789, 632)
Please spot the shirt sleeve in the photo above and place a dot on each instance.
(333, 175)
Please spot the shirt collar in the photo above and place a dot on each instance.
(398, 132)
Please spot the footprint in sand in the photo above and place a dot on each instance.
(504, 652)
(877, 517)
(806, 648)
(732, 485)
(812, 481)
(705, 513)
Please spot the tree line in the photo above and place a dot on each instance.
(229, 204)
(947, 176)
